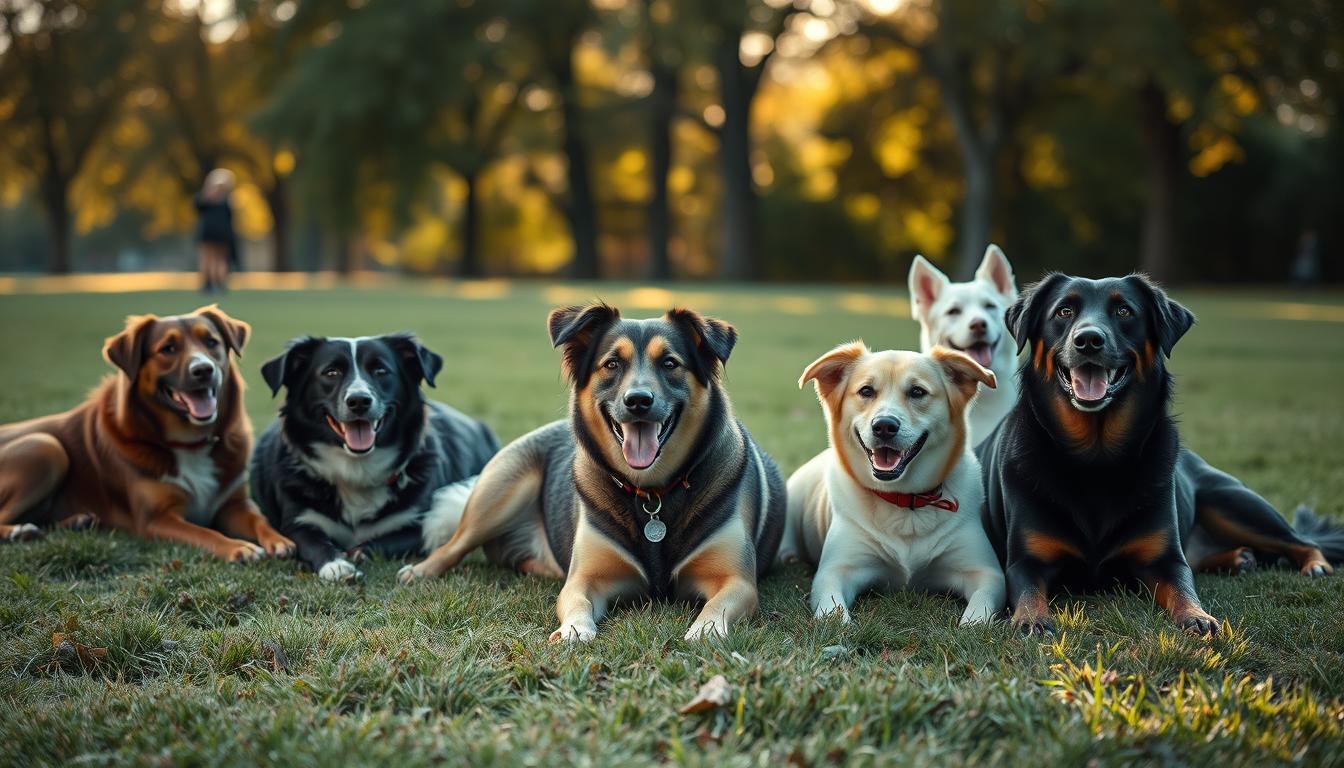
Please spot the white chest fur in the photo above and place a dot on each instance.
(362, 485)
(197, 475)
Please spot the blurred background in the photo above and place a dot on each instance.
(737, 140)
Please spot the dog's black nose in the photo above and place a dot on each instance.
(358, 403)
(201, 371)
(979, 325)
(638, 400)
(885, 427)
(1089, 340)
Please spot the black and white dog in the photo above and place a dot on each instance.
(358, 461)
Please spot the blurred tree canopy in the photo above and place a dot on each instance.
(731, 139)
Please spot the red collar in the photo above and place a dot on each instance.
(195, 444)
(934, 498)
(684, 482)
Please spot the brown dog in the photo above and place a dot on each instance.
(160, 450)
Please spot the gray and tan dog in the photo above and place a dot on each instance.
(652, 487)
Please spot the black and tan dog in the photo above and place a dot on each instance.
(159, 449)
(651, 488)
(1087, 485)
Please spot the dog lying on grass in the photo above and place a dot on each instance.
(651, 487)
(160, 449)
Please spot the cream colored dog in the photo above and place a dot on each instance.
(895, 501)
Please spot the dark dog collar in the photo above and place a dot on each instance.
(179, 445)
(934, 498)
(645, 493)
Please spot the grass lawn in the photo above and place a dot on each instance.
(208, 663)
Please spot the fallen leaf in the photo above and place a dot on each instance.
(185, 601)
(239, 601)
(713, 694)
(279, 661)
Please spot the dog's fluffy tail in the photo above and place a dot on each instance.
(445, 513)
(1321, 532)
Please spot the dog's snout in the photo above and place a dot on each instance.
(979, 325)
(359, 402)
(1089, 339)
(638, 400)
(885, 427)
(201, 371)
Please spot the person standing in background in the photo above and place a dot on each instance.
(215, 240)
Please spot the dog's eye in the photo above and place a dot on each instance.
(867, 391)
(211, 342)
(670, 364)
(916, 392)
(169, 349)
(612, 365)
(1064, 312)
(1123, 311)
(332, 373)
(954, 311)
(990, 306)
(381, 371)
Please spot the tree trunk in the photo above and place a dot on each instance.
(57, 204)
(345, 254)
(470, 263)
(662, 112)
(738, 260)
(580, 208)
(1162, 160)
(977, 208)
(277, 199)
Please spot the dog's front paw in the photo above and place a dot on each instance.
(1317, 568)
(23, 532)
(239, 551)
(276, 545)
(704, 630)
(82, 521)
(574, 632)
(407, 575)
(1199, 623)
(339, 570)
(832, 611)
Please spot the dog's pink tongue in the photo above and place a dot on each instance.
(1088, 382)
(201, 405)
(981, 353)
(886, 459)
(641, 443)
(359, 435)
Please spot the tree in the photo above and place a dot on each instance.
(62, 82)
(739, 74)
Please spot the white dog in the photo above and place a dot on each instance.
(895, 501)
(969, 317)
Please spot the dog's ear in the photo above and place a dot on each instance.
(279, 370)
(829, 370)
(1024, 316)
(235, 332)
(126, 350)
(575, 328)
(962, 372)
(416, 359)
(926, 283)
(1169, 319)
(714, 339)
(996, 269)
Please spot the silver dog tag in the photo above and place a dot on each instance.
(655, 530)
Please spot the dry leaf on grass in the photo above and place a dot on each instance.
(67, 648)
(713, 694)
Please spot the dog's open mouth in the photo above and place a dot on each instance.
(889, 463)
(981, 352)
(358, 434)
(1091, 387)
(642, 441)
(199, 405)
